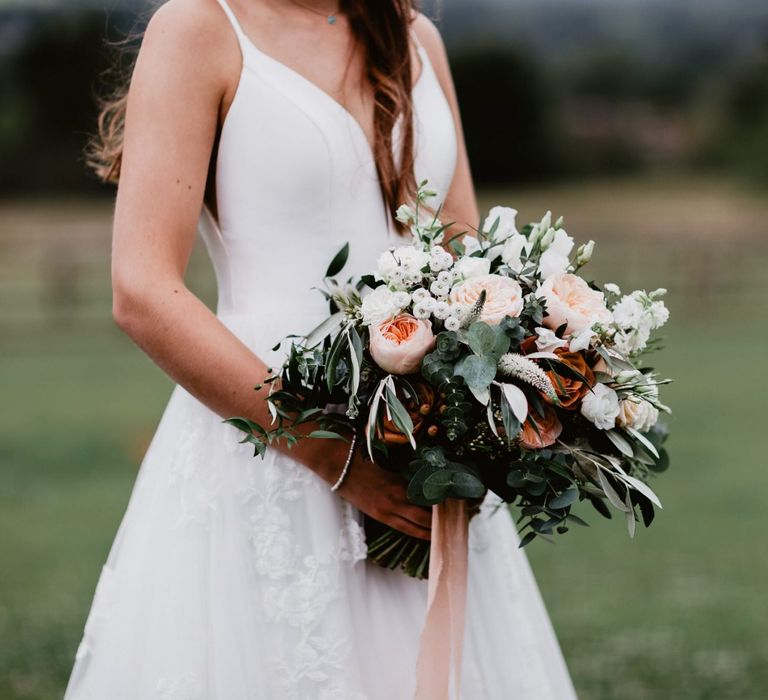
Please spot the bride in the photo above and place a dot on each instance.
(280, 129)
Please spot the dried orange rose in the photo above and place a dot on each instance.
(546, 431)
(419, 408)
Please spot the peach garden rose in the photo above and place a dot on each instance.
(503, 297)
(572, 301)
(398, 346)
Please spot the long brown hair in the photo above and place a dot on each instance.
(382, 28)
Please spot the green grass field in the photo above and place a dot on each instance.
(679, 613)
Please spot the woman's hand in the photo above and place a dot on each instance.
(381, 494)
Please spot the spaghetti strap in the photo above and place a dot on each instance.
(241, 37)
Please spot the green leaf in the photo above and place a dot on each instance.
(487, 340)
(478, 372)
(437, 485)
(327, 434)
(565, 499)
(400, 416)
(338, 262)
(466, 485)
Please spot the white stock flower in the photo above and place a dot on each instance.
(628, 312)
(632, 341)
(379, 306)
(469, 267)
(547, 341)
(601, 406)
(408, 259)
(658, 313)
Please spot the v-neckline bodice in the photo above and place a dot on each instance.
(247, 44)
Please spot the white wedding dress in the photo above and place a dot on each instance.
(234, 578)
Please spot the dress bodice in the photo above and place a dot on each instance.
(296, 179)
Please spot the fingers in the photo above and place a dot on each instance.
(409, 528)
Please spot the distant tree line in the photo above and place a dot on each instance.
(524, 122)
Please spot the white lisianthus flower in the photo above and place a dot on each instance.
(512, 251)
(471, 245)
(469, 267)
(601, 407)
(540, 230)
(405, 214)
(584, 253)
(581, 340)
(379, 306)
(547, 341)
(507, 218)
(554, 260)
(506, 228)
(637, 414)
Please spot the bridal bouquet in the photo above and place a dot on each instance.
(483, 362)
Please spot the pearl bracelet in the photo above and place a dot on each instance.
(345, 470)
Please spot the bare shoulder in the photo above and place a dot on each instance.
(429, 36)
(193, 36)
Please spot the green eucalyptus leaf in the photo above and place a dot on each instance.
(338, 262)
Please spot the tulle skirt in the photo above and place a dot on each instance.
(237, 578)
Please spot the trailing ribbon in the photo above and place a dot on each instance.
(443, 634)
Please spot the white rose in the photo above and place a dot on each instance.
(547, 341)
(469, 267)
(601, 406)
(379, 306)
(572, 301)
(637, 414)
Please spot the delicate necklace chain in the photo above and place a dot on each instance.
(329, 17)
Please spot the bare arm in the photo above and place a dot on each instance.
(187, 62)
(461, 202)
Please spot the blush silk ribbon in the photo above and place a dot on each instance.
(443, 633)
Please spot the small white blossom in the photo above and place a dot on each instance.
(452, 323)
(601, 406)
(405, 214)
(421, 310)
(439, 290)
(441, 310)
(402, 299)
(420, 294)
(612, 288)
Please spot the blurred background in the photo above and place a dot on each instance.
(644, 122)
